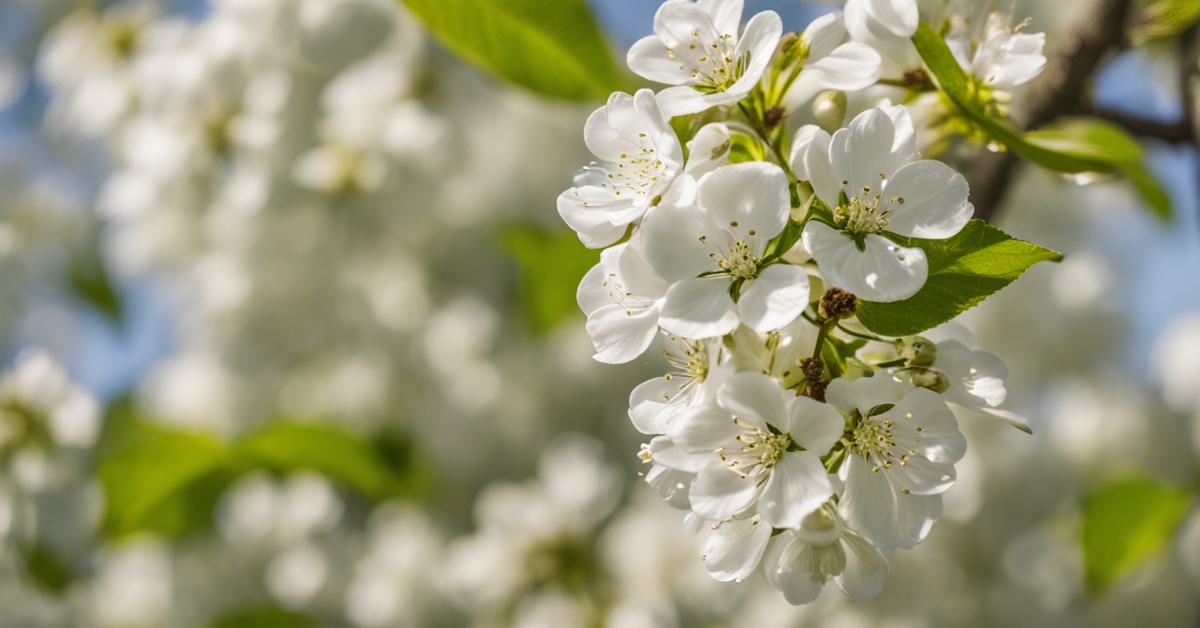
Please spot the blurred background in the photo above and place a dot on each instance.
(286, 282)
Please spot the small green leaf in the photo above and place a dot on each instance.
(45, 569)
(1073, 147)
(553, 48)
(265, 617)
(1102, 142)
(550, 265)
(1127, 523)
(342, 456)
(148, 470)
(89, 280)
(1165, 18)
(963, 271)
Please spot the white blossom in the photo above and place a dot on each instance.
(697, 49)
(900, 458)
(872, 180)
(640, 158)
(801, 561)
(763, 446)
(721, 242)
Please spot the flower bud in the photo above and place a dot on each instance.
(932, 379)
(916, 350)
(829, 108)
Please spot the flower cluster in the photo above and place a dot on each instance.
(804, 441)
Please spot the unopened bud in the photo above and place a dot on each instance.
(829, 108)
(932, 379)
(813, 369)
(916, 350)
(787, 42)
(774, 116)
(837, 304)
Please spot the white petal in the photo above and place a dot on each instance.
(860, 152)
(939, 438)
(683, 100)
(749, 200)
(591, 223)
(935, 200)
(864, 393)
(734, 548)
(753, 397)
(810, 161)
(884, 271)
(976, 377)
(620, 334)
(813, 425)
(798, 486)
(866, 568)
(880, 512)
(648, 402)
(900, 17)
(672, 242)
(592, 294)
(849, 67)
(718, 494)
(775, 298)
(664, 451)
(708, 150)
(600, 134)
(699, 308)
(704, 429)
(648, 58)
(726, 14)
(824, 34)
(759, 40)
(904, 149)
(798, 585)
(1012, 418)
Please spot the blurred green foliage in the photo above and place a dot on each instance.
(553, 48)
(167, 481)
(1126, 523)
(1165, 18)
(550, 264)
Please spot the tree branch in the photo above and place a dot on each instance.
(1055, 94)
(1174, 132)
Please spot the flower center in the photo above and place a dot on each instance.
(738, 261)
(712, 64)
(638, 171)
(875, 441)
(865, 213)
(760, 451)
(691, 362)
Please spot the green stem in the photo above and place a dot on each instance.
(864, 336)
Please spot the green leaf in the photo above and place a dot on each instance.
(89, 280)
(1073, 147)
(963, 271)
(553, 47)
(1125, 524)
(1165, 18)
(550, 265)
(146, 473)
(265, 617)
(1102, 142)
(327, 449)
(167, 482)
(45, 569)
